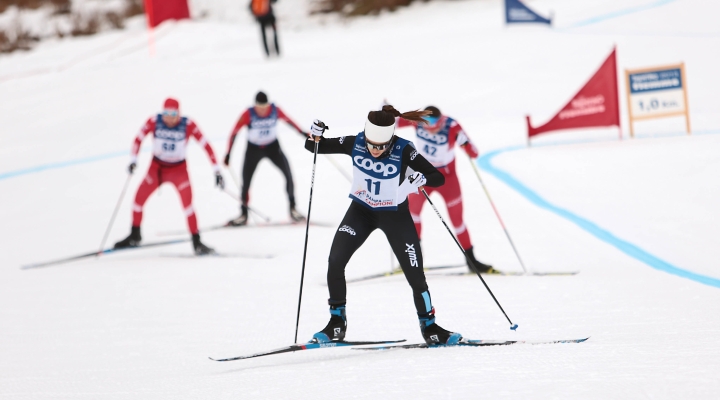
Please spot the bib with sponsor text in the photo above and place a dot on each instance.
(435, 147)
(376, 181)
(169, 143)
(263, 130)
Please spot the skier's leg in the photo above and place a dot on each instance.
(253, 155)
(276, 155)
(147, 187)
(264, 38)
(452, 195)
(406, 245)
(352, 233)
(275, 34)
(416, 203)
(178, 176)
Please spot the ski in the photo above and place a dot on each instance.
(97, 253)
(398, 271)
(220, 255)
(472, 343)
(514, 273)
(307, 346)
(273, 224)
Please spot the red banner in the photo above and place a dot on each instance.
(161, 10)
(596, 104)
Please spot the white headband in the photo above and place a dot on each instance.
(378, 134)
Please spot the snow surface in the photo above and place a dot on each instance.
(141, 324)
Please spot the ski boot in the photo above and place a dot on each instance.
(335, 329)
(480, 267)
(295, 215)
(241, 220)
(131, 241)
(199, 247)
(435, 335)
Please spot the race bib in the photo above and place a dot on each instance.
(376, 181)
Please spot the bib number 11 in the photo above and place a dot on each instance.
(370, 184)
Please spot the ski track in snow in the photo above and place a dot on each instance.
(140, 325)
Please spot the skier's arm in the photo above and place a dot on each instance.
(290, 122)
(194, 131)
(461, 138)
(402, 123)
(413, 159)
(242, 121)
(147, 128)
(338, 145)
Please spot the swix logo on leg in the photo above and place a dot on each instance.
(348, 229)
(411, 254)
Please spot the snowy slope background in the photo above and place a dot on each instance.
(142, 324)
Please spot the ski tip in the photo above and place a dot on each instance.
(514, 327)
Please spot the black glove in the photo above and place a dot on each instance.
(219, 182)
(131, 168)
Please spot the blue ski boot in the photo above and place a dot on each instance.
(335, 329)
(434, 335)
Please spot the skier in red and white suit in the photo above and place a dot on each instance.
(436, 142)
(171, 133)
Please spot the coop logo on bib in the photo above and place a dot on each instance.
(376, 167)
(169, 134)
(436, 138)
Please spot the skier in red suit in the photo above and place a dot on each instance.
(171, 133)
(436, 142)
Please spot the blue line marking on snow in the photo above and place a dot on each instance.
(70, 163)
(619, 13)
(61, 164)
(485, 163)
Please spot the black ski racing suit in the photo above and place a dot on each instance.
(360, 221)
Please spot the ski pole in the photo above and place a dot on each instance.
(307, 228)
(256, 212)
(497, 214)
(338, 167)
(114, 214)
(237, 184)
(470, 263)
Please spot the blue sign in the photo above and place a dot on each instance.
(656, 80)
(517, 12)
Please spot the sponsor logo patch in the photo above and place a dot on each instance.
(411, 254)
(377, 167)
(348, 229)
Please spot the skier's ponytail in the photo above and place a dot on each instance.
(386, 117)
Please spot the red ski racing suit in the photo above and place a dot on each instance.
(436, 143)
(168, 164)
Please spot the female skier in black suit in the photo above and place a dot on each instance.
(386, 169)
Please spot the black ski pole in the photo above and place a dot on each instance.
(307, 228)
(114, 214)
(470, 263)
(497, 214)
(252, 210)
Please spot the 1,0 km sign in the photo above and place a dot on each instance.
(657, 92)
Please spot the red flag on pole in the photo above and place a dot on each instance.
(161, 10)
(596, 104)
